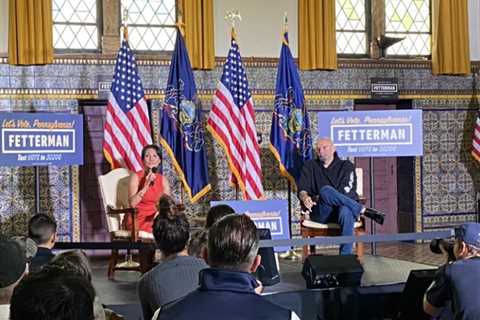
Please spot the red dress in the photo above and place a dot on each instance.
(147, 207)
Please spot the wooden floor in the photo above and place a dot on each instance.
(419, 253)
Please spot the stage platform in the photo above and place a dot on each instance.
(381, 286)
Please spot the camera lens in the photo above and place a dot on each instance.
(435, 246)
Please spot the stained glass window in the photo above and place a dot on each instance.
(409, 19)
(151, 24)
(351, 27)
(75, 24)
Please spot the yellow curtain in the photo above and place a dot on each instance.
(198, 19)
(30, 32)
(450, 46)
(317, 45)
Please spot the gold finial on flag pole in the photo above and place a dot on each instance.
(180, 25)
(125, 23)
(231, 17)
(285, 28)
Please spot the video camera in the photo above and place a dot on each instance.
(436, 246)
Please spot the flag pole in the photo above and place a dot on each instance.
(181, 28)
(128, 263)
(290, 254)
(231, 17)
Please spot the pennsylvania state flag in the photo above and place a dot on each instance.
(181, 132)
(290, 137)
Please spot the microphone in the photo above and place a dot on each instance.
(153, 170)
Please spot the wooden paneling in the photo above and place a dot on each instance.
(93, 223)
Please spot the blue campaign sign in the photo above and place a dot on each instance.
(41, 139)
(392, 133)
(268, 214)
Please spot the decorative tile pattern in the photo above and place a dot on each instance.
(450, 177)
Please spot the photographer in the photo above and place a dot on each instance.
(458, 281)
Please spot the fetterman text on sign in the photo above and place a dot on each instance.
(373, 133)
(38, 139)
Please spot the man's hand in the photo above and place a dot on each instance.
(259, 288)
(308, 203)
(307, 200)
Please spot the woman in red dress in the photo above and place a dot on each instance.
(145, 189)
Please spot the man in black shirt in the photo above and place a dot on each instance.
(458, 281)
(327, 190)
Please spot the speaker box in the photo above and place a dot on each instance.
(267, 272)
(411, 300)
(332, 271)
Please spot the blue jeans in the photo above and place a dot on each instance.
(335, 207)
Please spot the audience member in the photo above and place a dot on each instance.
(458, 281)
(29, 247)
(52, 294)
(77, 262)
(13, 266)
(43, 230)
(177, 274)
(216, 213)
(227, 289)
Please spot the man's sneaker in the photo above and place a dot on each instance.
(375, 215)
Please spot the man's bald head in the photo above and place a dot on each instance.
(325, 150)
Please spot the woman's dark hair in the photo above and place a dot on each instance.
(166, 206)
(216, 213)
(170, 228)
(154, 147)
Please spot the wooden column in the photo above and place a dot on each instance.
(111, 26)
(377, 25)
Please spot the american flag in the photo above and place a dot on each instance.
(232, 123)
(127, 125)
(476, 139)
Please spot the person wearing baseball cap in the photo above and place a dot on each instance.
(458, 281)
(13, 266)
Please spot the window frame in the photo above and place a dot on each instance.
(149, 52)
(99, 25)
(368, 34)
(409, 56)
(372, 28)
